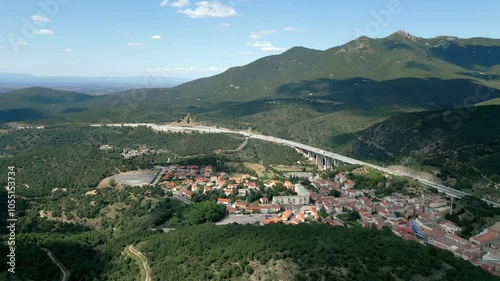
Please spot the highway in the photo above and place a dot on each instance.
(442, 188)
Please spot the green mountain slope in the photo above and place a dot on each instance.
(400, 55)
(464, 144)
(302, 252)
(37, 103)
(290, 92)
(345, 89)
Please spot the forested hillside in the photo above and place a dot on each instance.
(463, 145)
(302, 252)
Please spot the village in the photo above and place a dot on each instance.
(337, 201)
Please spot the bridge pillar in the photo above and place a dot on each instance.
(320, 161)
(328, 163)
(310, 155)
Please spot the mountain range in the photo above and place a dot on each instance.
(341, 99)
(86, 85)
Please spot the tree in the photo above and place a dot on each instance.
(335, 193)
(207, 211)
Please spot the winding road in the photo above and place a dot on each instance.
(65, 272)
(144, 261)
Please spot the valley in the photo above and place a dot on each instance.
(376, 159)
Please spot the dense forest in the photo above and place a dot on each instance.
(307, 251)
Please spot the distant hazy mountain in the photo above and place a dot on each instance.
(88, 85)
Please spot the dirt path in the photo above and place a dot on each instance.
(64, 270)
(145, 265)
(242, 145)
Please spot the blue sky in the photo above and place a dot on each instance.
(186, 38)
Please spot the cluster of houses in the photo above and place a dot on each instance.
(306, 214)
(242, 207)
(414, 218)
(190, 179)
(482, 249)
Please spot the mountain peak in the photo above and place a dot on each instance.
(448, 38)
(404, 34)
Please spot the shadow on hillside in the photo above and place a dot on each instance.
(365, 94)
(469, 56)
(20, 114)
(416, 65)
(391, 46)
(74, 110)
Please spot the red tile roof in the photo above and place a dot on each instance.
(223, 201)
(485, 237)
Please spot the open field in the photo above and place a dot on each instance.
(292, 168)
(244, 219)
(258, 168)
(134, 178)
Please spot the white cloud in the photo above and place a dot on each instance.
(21, 43)
(266, 46)
(158, 70)
(136, 44)
(207, 9)
(225, 24)
(68, 50)
(245, 54)
(187, 69)
(213, 68)
(262, 44)
(291, 28)
(259, 34)
(44, 32)
(271, 49)
(156, 37)
(164, 3)
(180, 3)
(38, 18)
(126, 33)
